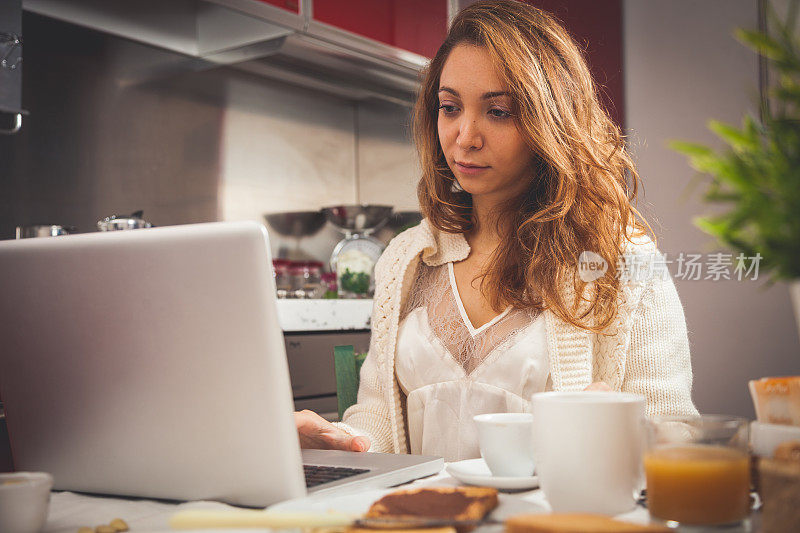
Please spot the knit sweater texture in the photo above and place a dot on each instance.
(645, 350)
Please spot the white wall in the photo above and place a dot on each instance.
(284, 149)
(682, 66)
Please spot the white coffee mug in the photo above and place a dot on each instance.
(588, 448)
(24, 498)
(506, 443)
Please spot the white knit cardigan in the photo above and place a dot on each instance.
(645, 350)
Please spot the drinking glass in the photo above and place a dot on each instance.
(698, 470)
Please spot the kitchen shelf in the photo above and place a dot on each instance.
(324, 315)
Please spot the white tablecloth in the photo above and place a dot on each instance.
(70, 511)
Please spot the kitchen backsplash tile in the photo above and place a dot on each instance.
(284, 149)
(387, 163)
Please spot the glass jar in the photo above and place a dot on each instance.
(329, 285)
(307, 279)
(296, 274)
(283, 280)
(312, 279)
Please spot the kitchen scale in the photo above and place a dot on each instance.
(354, 257)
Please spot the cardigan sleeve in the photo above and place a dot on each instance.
(658, 363)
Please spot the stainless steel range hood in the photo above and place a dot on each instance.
(252, 36)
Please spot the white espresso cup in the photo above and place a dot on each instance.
(24, 498)
(506, 443)
(588, 448)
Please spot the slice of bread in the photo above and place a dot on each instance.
(575, 523)
(454, 503)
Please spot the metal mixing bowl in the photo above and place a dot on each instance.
(296, 223)
(357, 217)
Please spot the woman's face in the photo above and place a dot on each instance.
(477, 133)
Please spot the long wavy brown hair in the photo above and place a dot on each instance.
(582, 187)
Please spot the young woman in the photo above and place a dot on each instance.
(484, 304)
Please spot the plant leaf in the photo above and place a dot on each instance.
(712, 226)
(738, 139)
(761, 43)
(690, 149)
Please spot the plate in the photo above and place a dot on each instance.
(475, 472)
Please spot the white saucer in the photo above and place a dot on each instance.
(475, 472)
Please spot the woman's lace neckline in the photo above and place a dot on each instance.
(462, 310)
(434, 290)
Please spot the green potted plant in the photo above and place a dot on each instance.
(757, 173)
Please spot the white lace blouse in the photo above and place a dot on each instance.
(451, 371)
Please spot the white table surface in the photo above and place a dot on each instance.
(70, 511)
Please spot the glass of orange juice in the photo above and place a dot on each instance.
(698, 470)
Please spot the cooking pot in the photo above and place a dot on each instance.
(43, 230)
(123, 222)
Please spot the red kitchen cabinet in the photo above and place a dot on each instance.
(289, 5)
(597, 27)
(420, 25)
(415, 25)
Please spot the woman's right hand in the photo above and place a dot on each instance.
(316, 432)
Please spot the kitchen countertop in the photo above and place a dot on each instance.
(324, 315)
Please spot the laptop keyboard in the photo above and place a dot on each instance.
(317, 475)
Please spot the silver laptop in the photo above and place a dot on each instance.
(151, 363)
